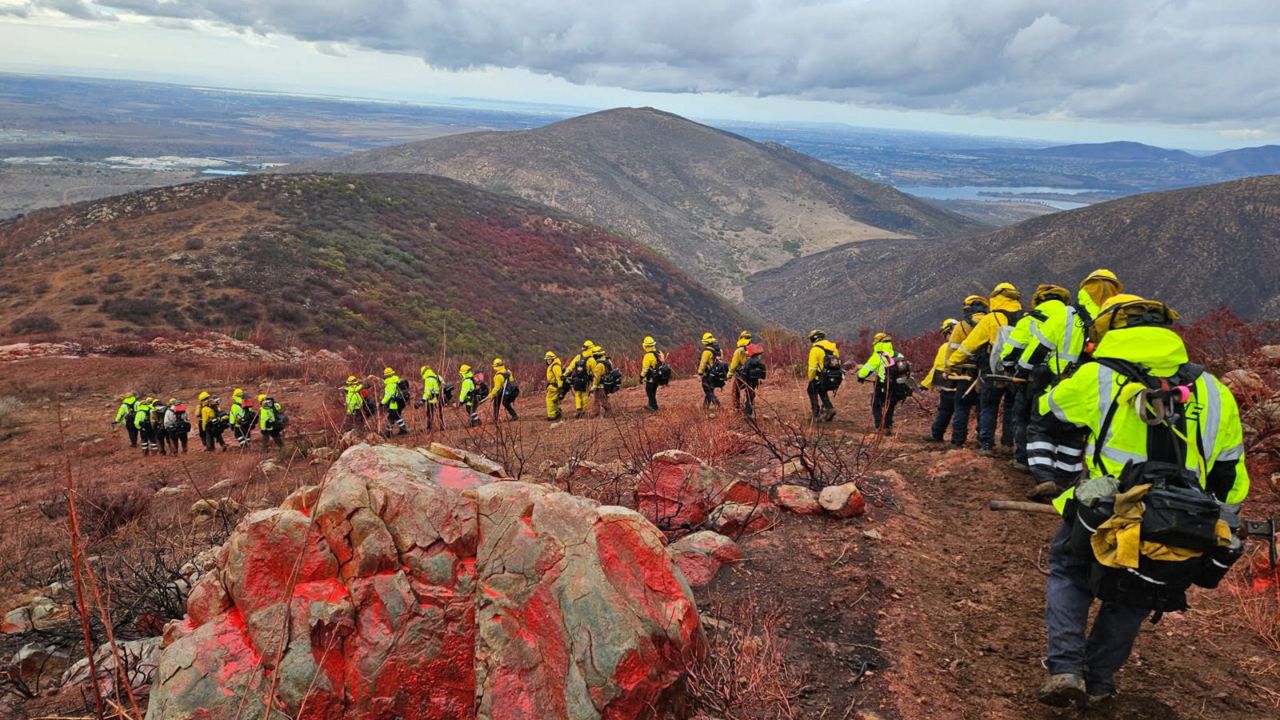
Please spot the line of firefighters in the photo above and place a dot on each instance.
(592, 377)
(1140, 451)
(162, 428)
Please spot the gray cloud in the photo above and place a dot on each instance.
(73, 8)
(1174, 61)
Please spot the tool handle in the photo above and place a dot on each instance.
(1022, 506)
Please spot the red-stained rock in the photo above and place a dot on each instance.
(678, 491)
(404, 588)
(700, 555)
(842, 501)
(797, 499)
(737, 519)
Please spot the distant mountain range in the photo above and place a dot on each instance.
(718, 205)
(1198, 249)
(370, 261)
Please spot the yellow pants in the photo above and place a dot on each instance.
(553, 402)
(580, 399)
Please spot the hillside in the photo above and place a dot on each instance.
(718, 205)
(1199, 248)
(1119, 150)
(331, 260)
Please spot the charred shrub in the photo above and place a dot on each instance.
(33, 323)
(128, 309)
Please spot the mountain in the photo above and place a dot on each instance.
(1120, 150)
(718, 205)
(1263, 160)
(1199, 249)
(330, 260)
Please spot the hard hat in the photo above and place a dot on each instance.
(1047, 292)
(587, 344)
(464, 369)
(549, 356)
(708, 338)
(388, 372)
(881, 337)
(173, 400)
(948, 324)
(598, 351)
(1125, 311)
(352, 379)
(648, 340)
(1007, 290)
(262, 397)
(816, 335)
(237, 392)
(975, 300)
(649, 344)
(202, 396)
(1105, 275)
(497, 362)
(744, 335)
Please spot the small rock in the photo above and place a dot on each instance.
(172, 491)
(204, 510)
(324, 454)
(872, 535)
(740, 518)
(38, 666)
(17, 620)
(791, 468)
(700, 555)
(223, 484)
(797, 499)
(269, 467)
(842, 501)
(1244, 383)
(140, 658)
(1271, 353)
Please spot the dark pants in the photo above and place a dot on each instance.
(146, 438)
(1066, 614)
(177, 438)
(651, 392)
(133, 434)
(883, 405)
(991, 400)
(966, 398)
(241, 435)
(709, 395)
(738, 387)
(270, 436)
(748, 397)
(817, 393)
(1020, 416)
(946, 409)
(435, 413)
(470, 404)
(212, 436)
(396, 420)
(504, 401)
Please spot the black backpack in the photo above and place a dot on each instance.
(660, 373)
(831, 376)
(403, 393)
(282, 418)
(510, 389)
(578, 378)
(898, 377)
(220, 422)
(182, 425)
(611, 381)
(753, 370)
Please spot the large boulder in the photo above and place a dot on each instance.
(406, 588)
(678, 491)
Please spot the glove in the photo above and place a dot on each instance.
(861, 379)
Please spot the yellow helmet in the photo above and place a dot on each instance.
(388, 372)
(1103, 274)
(587, 344)
(975, 300)
(816, 335)
(549, 356)
(1046, 292)
(708, 338)
(128, 395)
(1125, 311)
(744, 335)
(173, 401)
(948, 324)
(423, 370)
(1005, 289)
(262, 397)
(649, 343)
(597, 351)
(352, 380)
(464, 369)
(202, 396)
(881, 337)
(497, 362)
(237, 392)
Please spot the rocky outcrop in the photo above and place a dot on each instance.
(797, 499)
(678, 491)
(402, 587)
(700, 555)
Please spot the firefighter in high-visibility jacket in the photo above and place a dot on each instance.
(432, 396)
(504, 391)
(394, 400)
(124, 415)
(1005, 308)
(555, 386)
(736, 361)
(955, 408)
(1139, 403)
(579, 378)
(1047, 298)
(649, 367)
(824, 373)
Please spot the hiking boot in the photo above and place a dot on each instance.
(888, 432)
(986, 452)
(1019, 465)
(1044, 492)
(829, 415)
(1063, 690)
(1100, 702)
(931, 439)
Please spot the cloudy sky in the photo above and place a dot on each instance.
(1186, 73)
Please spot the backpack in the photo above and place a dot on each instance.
(1176, 511)
(831, 375)
(578, 379)
(510, 389)
(753, 370)
(446, 394)
(403, 391)
(660, 373)
(996, 349)
(481, 390)
(181, 424)
(282, 418)
(898, 377)
(611, 381)
(220, 421)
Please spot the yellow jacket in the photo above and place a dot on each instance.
(739, 356)
(939, 366)
(985, 331)
(207, 414)
(649, 364)
(876, 363)
(959, 333)
(708, 359)
(597, 369)
(818, 354)
(500, 377)
(555, 374)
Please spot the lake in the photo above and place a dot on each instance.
(975, 192)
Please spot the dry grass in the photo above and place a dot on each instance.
(743, 673)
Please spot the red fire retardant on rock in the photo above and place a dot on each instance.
(403, 588)
(679, 490)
